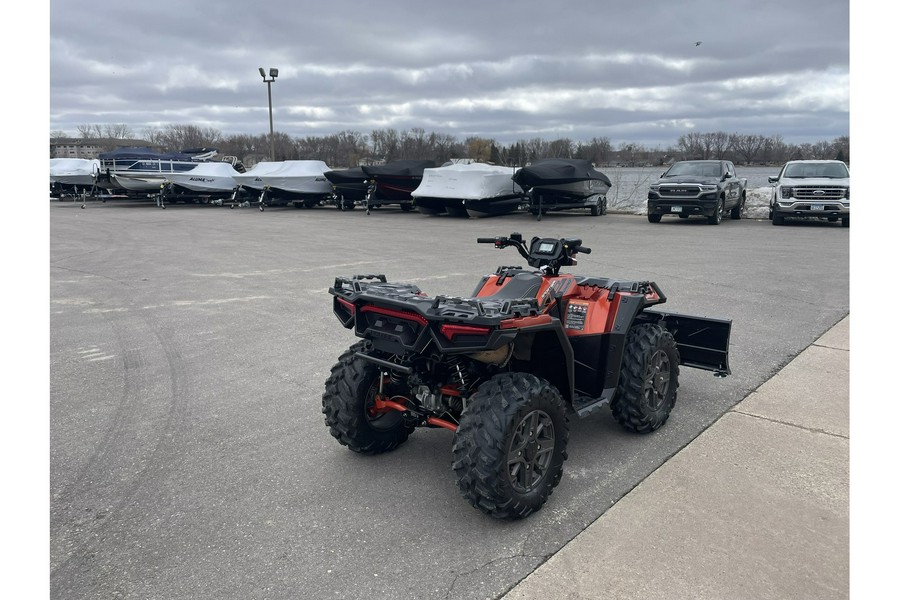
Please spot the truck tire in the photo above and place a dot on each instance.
(510, 447)
(654, 218)
(738, 211)
(349, 395)
(777, 219)
(845, 221)
(648, 383)
(716, 217)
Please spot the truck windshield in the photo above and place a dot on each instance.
(696, 169)
(827, 170)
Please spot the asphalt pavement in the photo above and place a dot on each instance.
(189, 457)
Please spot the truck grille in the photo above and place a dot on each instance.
(679, 191)
(818, 193)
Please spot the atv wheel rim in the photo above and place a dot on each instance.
(656, 386)
(530, 451)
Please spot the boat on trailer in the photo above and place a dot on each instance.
(563, 184)
(350, 186)
(468, 190)
(394, 182)
(73, 175)
(141, 169)
(301, 182)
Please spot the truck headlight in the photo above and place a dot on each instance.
(654, 189)
(786, 192)
(847, 194)
(708, 188)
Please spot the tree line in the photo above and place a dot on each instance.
(350, 148)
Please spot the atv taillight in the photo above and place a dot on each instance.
(400, 314)
(451, 331)
(348, 305)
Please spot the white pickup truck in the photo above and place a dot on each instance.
(811, 189)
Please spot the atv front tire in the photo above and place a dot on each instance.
(509, 449)
(348, 401)
(648, 383)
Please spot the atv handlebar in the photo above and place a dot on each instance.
(560, 253)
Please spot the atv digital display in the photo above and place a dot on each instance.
(545, 247)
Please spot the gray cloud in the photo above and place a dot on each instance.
(507, 70)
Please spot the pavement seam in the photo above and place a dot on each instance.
(831, 347)
(809, 429)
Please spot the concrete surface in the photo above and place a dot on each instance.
(757, 506)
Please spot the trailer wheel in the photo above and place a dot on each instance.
(648, 383)
(347, 404)
(509, 449)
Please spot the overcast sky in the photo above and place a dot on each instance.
(630, 71)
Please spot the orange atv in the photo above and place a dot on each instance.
(504, 369)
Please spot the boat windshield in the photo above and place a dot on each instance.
(695, 169)
(826, 170)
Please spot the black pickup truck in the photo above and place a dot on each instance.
(698, 187)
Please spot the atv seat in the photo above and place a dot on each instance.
(520, 285)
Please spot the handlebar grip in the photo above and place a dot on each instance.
(582, 249)
(487, 240)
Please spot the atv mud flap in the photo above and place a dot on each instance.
(702, 342)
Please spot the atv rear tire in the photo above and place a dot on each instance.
(509, 449)
(349, 395)
(648, 383)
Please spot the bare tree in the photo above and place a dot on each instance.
(87, 132)
(117, 131)
(560, 148)
(631, 154)
(598, 150)
(748, 146)
(690, 146)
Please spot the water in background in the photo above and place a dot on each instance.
(631, 184)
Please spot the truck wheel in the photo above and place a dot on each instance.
(509, 449)
(738, 211)
(777, 219)
(347, 404)
(716, 217)
(845, 221)
(648, 383)
(654, 218)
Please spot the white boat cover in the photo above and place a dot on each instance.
(252, 178)
(299, 176)
(473, 181)
(207, 177)
(74, 170)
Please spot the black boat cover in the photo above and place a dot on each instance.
(555, 171)
(410, 168)
(346, 176)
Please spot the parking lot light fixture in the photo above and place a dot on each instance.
(273, 73)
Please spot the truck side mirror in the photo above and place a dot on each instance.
(773, 178)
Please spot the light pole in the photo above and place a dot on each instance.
(273, 73)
